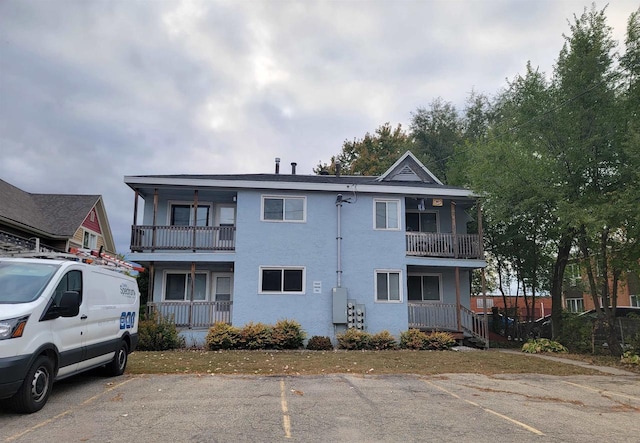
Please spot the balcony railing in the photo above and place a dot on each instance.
(171, 238)
(435, 244)
(444, 317)
(197, 314)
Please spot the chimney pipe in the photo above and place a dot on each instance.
(293, 168)
(338, 168)
(277, 165)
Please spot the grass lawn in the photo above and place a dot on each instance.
(353, 362)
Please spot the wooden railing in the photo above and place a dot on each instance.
(444, 317)
(436, 244)
(195, 238)
(197, 314)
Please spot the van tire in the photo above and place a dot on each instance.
(36, 387)
(119, 362)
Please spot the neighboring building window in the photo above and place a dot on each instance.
(388, 288)
(183, 215)
(424, 287)
(90, 240)
(178, 286)
(422, 221)
(480, 303)
(634, 300)
(573, 275)
(288, 209)
(575, 305)
(275, 280)
(386, 214)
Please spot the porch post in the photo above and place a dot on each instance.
(480, 232)
(458, 319)
(486, 317)
(453, 229)
(195, 218)
(135, 209)
(155, 216)
(134, 230)
(152, 274)
(193, 290)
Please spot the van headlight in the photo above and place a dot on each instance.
(12, 327)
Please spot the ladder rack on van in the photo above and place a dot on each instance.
(87, 256)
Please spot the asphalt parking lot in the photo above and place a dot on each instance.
(349, 408)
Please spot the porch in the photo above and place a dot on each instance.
(448, 317)
(174, 238)
(192, 315)
(437, 244)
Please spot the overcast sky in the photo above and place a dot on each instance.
(91, 91)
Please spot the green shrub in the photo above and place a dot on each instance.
(576, 333)
(542, 345)
(287, 334)
(630, 358)
(158, 333)
(413, 339)
(635, 344)
(255, 336)
(354, 339)
(383, 340)
(222, 336)
(318, 343)
(439, 341)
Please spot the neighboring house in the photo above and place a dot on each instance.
(577, 298)
(542, 305)
(51, 222)
(331, 252)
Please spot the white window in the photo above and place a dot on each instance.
(387, 286)
(425, 287)
(284, 209)
(386, 214)
(480, 303)
(575, 305)
(90, 240)
(177, 286)
(282, 280)
(635, 300)
(183, 214)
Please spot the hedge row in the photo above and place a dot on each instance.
(285, 334)
(411, 339)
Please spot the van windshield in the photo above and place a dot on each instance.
(23, 282)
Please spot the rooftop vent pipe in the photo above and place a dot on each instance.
(277, 165)
(293, 168)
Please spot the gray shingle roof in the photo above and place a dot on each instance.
(58, 215)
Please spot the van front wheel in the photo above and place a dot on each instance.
(35, 390)
(119, 362)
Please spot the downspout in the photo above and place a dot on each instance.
(339, 241)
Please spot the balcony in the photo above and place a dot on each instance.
(197, 314)
(183, 238)
(447, 317)
(436, 244)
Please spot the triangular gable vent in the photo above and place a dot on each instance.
(406, 174)
(409, 169)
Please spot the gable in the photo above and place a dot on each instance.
(409, 169)
(92, 222)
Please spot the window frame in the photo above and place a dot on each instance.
(192, 213)
(634, 300)
(420, 227)
(572, 305)
(377, 272)
(421, 275)
(92, 242)
(264, 197)
(386, 201)
(261, 269)
(187, 275)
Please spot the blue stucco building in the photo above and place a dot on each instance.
(329, 251)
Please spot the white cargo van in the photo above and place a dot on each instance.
(59, 318)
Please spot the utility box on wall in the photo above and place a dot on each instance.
(339, 305)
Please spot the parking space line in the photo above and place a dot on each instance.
(62, 414)
(286, 420)
(504, 417)
(602, 391)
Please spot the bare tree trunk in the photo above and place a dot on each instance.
(564, 248)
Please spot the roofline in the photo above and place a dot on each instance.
(136, 181)
(414, 158)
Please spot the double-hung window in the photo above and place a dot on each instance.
(575, 305)
(89, 240)
(184, 215)
(424, 287)
(178, 286)
(387, 286)
(284, 209)
(282, 280)
(386, 214)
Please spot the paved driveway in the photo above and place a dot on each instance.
(455, 407)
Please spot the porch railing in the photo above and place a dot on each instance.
(437, 244)
(195, 238)
(197, 314)
(444, 317)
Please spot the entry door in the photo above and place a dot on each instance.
(223, 292)
(226, 217)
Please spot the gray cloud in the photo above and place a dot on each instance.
(91, 91)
